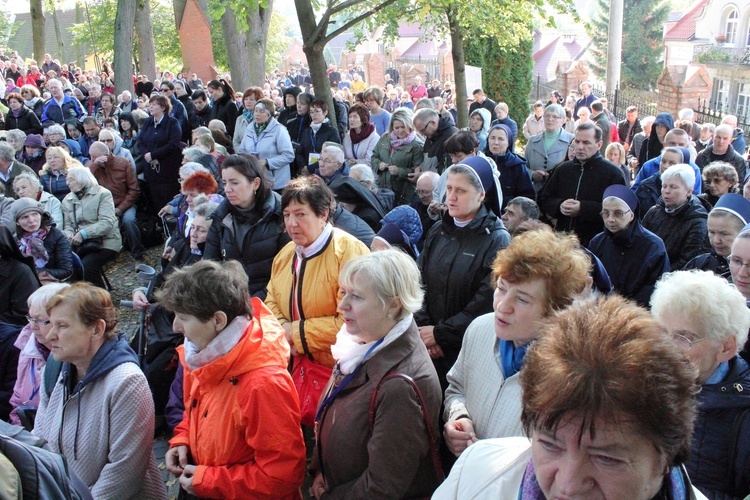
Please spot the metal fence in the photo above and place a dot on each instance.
(704, 113)
(617, 102)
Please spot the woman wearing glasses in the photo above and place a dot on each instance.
(720, 178)
(634, 257)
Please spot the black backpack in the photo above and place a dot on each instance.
(44, 474)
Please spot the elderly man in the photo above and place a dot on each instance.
(60, 107)
(94, 100)
(117, 175)
(331, 164)
(113, 141)
(573, 193)
(195, 83)
(545, 150)
(518, 211)
(586, 99)
(50, 65)
(674, 138)
(710, 332)
(426, 186)
(738, 135)
(10, 168)
(628, 127)
(722, 150)
(437, 129)
(128, 104)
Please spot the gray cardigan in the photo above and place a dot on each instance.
(274, 146)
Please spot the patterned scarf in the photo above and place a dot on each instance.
(673, 487)
(397, 143)
(32, 245)
(260, 128)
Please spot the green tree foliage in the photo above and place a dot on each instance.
(6, 30)
(102, 12)
(641, 43)
(507, 70)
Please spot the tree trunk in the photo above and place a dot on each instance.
(256, 38)
(313, 48)
(60, 52)
(459, 69)
(79, 46)
(37, 28)
(144, 32)
(123, 49)
(237, 51)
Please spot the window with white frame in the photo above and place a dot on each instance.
(730, 26)
(743, 100)
(720, 94)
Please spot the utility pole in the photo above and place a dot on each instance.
(614, 45)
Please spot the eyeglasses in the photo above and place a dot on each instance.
(738, 263)
(715, 180)
(328, 162)
(685, 342)
(424, 192)
(618, 214)
(39, 322)
(164, 90)
(423, 129)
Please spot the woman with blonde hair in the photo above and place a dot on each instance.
(615, 153)
(33, 99)
(53, 174)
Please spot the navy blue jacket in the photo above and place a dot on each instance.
(683, 231)
(514, 176)
(713, 262)
(634, 258)
(163, 142)
(53, 113)
(720, 407)
(56, 185)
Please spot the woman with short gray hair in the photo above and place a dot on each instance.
(28, 186)
(678, 217)
(90, 223)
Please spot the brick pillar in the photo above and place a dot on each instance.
(195, 40)
(374, 66)
(682, 86)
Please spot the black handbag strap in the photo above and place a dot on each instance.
(432, 437)
(75, 219)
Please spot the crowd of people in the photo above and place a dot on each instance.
(379, 303)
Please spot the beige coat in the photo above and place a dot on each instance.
(95, 213)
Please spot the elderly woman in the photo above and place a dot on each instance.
(115, 145)
(648, 192)
(90, 223)
(16, 138)
(397, 155)
(196, 184)
(240, 437)
(720, 178)
(34, 350)
(730, 214)
(679, 218)
(608, 406)
(515, 179)
(26, 185)
(247, 225)
(540, 272)
(360, 142)
(250, 98)
(100, 382)
(634, 257)
(389, 457)
(305, 299)
(457, 259)
(268, 141)
(20, 117)
(615, 154)
(160, 150)
(40, 238)
(53, 176)
(710, 333)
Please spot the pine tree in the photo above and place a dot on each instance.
(641, 44)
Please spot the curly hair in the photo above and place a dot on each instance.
(556, 258)
(202, 182)
(609, 360)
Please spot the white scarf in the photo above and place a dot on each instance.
(219, 346)
(349, 352)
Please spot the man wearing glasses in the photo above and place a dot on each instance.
(573, 194)
(436, 129)
(546, 149)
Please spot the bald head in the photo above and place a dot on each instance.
(98, 149)
(426, 184)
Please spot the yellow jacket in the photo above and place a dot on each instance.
(319, 284)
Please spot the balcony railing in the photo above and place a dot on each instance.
(718, 54)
